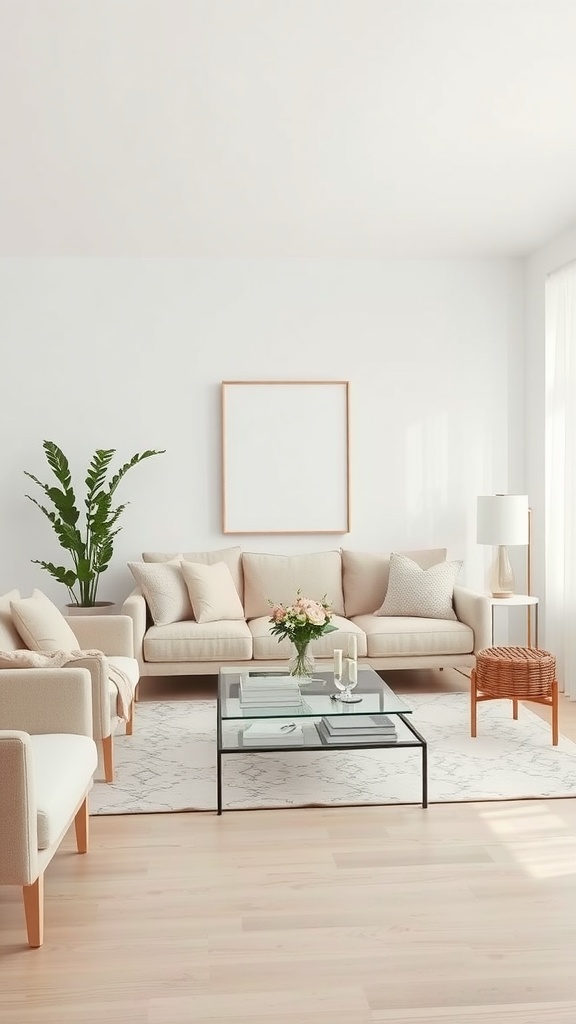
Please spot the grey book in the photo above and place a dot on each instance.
(358, 725)
(365, 736)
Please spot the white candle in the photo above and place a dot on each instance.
(352, 670)
(338, 663)
(353, 647)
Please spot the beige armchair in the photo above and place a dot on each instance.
(113, 635)
(37, 624)
(47, 762)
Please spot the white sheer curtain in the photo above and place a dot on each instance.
(561, 473)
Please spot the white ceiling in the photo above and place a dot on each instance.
(321, 128)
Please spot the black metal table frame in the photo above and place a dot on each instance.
(418, 741)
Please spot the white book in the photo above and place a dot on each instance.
(249, 683)
(273, 733)
(273, 728)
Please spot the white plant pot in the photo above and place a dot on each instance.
(100, 608)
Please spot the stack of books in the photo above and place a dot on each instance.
(267, 733)
(357, 729)
(269, 692)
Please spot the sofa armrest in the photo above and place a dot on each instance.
(473, 609)
(46, 700)
(135, 607)
(111, 634)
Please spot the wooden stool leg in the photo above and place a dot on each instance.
(473, 706)
(555, 713)
(515, 709)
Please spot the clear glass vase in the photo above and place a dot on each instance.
(301, 664)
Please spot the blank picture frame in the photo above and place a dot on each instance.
(285, 456)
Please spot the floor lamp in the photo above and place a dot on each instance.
(504, 520)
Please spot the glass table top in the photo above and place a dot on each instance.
(377, 697)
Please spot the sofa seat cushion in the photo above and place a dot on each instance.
(268, 648)
(406, 636)
(63, 770)
(129, 666)
(225, 640)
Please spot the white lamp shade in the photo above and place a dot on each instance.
(502, 519)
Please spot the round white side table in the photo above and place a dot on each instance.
(516, 601)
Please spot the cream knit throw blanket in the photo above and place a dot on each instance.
(57, 659)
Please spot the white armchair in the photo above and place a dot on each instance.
(47, 762)
(37, 624)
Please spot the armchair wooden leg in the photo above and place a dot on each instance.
(34, 911)
(130, 722)
(108, 753)
(81, 827)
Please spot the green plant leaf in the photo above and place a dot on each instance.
(88, 539)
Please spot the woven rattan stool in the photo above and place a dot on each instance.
(515, 673)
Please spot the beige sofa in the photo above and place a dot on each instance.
(356, 583)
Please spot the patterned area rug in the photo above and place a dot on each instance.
(169, 764)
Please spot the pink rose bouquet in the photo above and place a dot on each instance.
(302, 621)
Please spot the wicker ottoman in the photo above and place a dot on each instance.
(515, 673)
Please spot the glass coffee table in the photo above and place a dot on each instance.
(317, 702)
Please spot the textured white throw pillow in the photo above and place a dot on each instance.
(425, 593)
(164, 589)
(212, 592)
(41, 624)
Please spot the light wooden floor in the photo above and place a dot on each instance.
(462, 914)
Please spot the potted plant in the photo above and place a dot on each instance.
(88, 539)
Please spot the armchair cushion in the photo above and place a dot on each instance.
(63, 769)
(41, 624)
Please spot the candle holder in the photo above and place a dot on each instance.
(347, 685)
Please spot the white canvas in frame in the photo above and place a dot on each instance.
(285, 456)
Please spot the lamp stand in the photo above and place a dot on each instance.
(501, 576)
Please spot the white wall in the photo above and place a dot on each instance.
(542, 262)
(130, 354)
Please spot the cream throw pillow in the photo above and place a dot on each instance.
(425, 593)
(212, 592)
(41, 624)
(164, 589)
(10, 639)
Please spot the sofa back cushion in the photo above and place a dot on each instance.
(365, 577)
(10, 639)
(41, 624)
(278, 577)
(231, 556)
